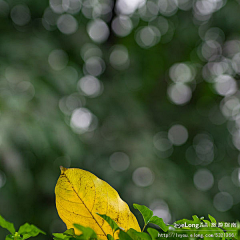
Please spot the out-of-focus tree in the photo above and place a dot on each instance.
(144, 94)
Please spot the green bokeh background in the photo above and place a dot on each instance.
(37, 103)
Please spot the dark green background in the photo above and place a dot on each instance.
(36, 137)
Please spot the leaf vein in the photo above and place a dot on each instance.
(68, 200)
(72, 212)
(86, 206)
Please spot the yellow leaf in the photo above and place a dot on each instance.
(80, 195)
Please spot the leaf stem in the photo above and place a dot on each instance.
(144, 227)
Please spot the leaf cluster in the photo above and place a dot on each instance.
(194, 229)
(25, 231)
(87, 233)
(179, 229)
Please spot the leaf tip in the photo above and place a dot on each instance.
(63, 169)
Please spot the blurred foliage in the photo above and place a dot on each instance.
(143, 94)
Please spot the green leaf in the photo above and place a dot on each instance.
(195, 219)
(207, 222)
(124, 236)
(13, 237)
(60, 236)
(110, 237)
(80, 237)
(135, 235)
(66, 235)
(7, 225)
(9, 237)
(87, 232)
(212, 219)
(29, 230)
(159, 222)
(69, 232)
(184, 222)
(145, 211)
(153, 233)
(111, 222)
